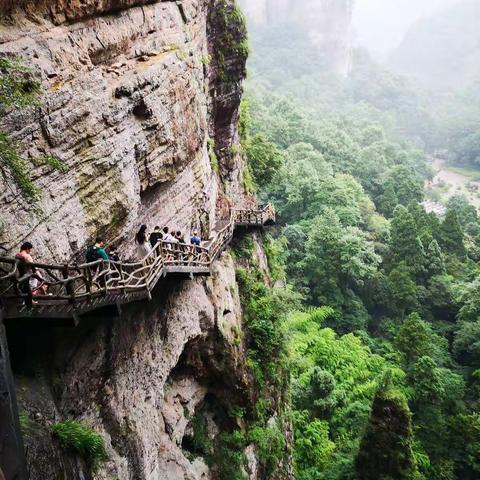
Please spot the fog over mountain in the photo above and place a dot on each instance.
(443, 50)
(380, 25)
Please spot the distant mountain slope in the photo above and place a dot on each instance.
(443, 51)
(327, 23)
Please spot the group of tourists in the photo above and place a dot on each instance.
(146, 242)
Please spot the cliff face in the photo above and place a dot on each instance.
(130, 100)
(137, 94)
(139, 380)
(328, 22)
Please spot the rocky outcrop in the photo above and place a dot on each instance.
(328, 23)
(139, 380)
(140, 101)
(130, 101)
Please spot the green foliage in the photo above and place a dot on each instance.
(81, 440)
(414, 339)
(270, 444)
(451, 235)
(52, 162)
(212, 155)
(17, 88)
(353, 234)
(405, 244)
(466, 345)
(13, 164)
(25, 423)
(466, 432)
(247, 181)
(386, 448)
(229, 458)
(206, 59)
(232, 40)
(264, 159)
(199, 443)
(17, 91)
(313, 448)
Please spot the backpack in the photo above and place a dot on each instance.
(92, 254)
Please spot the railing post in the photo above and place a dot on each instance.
(122, 278)
(26, 289)
(68, 286)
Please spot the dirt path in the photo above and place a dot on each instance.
(447, 183)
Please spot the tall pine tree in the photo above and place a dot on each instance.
(451, 235)
(405, 246)
(386, 448)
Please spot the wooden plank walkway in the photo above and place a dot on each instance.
(75, 290)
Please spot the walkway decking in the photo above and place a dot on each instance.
(74, 290)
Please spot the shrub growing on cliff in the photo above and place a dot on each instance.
(81, 440)
(18, 90)
(233, 40)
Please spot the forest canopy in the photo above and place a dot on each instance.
(391, 297)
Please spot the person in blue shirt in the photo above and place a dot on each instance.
(195, 239)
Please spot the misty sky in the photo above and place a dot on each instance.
(381, 24)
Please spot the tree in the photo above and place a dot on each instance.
(402, 290)
(386, 448)
(468, 297)
(466, 345)
(426, 379)
(408, 185)
(388, 201)
(405, 246)
(435, 262)
(466, 213)
(313, 448)
(451, 235)
(414, 339)
(264, 159)
(317, 396)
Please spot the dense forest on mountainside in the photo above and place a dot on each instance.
(282, 59)
(384, 354)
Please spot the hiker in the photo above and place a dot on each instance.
(168, 237)
(179, 237)
(97, 251)
(36, 284)
(195, 239)
(112, 254)
(155, 237)
(141, 239)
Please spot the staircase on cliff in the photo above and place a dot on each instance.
(74, 290)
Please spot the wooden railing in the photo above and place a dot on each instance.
(69, 290)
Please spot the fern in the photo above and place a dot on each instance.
(321, 314)
(82, 440)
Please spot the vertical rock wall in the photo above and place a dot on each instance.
(130, 98)
(137, 95)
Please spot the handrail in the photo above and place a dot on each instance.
(70, 284)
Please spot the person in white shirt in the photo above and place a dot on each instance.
(168, 237)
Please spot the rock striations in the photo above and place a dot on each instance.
(141, 102)
(131, 99)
